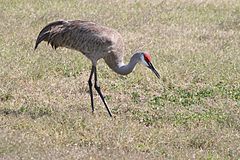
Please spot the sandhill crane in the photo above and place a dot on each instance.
(95, 42)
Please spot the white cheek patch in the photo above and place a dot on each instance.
(143, 61)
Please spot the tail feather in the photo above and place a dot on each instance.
(45, 34)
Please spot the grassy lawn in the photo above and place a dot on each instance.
(192, 112)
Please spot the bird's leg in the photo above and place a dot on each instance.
(90, 87)
(100, 93)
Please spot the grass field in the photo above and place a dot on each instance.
(192, 112)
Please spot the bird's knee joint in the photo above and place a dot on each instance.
(97, 87)
(90, 83)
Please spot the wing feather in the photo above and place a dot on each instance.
(78, 35)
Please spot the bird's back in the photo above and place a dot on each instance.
(93, 40)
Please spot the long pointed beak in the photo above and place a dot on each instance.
(150, 66)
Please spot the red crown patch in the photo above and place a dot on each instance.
(147, 57)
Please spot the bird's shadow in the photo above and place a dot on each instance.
(22, 112)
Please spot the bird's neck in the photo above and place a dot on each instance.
(125, 69)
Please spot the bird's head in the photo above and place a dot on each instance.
(146, 61)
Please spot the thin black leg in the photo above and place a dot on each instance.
(100, 93)
(90, 87)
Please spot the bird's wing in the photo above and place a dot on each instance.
(79, 35)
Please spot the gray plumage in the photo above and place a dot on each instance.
(95, 42)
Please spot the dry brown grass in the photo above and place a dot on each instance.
(191, 113)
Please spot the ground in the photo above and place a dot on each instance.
(191, 112)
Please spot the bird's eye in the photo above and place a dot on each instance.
(147, 57)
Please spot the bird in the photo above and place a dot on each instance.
(96, 42)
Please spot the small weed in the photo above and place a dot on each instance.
(142, 147)
(6, 97)
(135, 97)
(23, 109)
(108, 97)
(157, 101)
